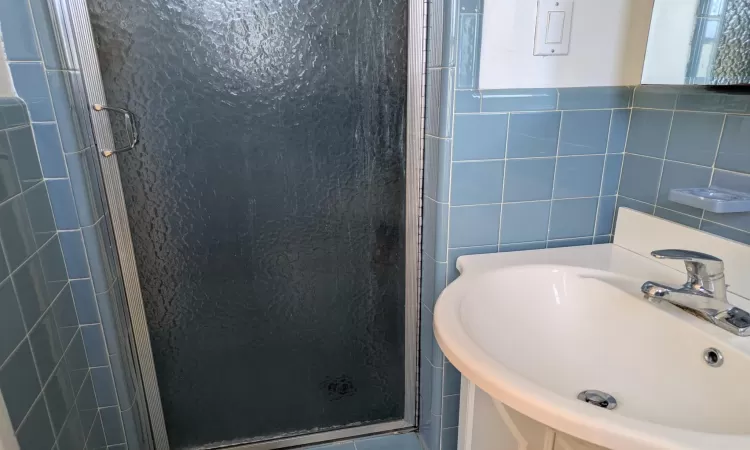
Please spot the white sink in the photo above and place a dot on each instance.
(533, 329)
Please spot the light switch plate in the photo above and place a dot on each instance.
(554, 21)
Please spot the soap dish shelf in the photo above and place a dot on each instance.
(713, 199)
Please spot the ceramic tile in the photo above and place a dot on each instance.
(611, 176)
(584, 132)
(572, 218)
(533, 134)
(579, 176)
(474, 183)
(733, 153)
(640, 178)
(524, 222)
(528, 179)
(19, 38)
(595, 97)
(694, 137)
(502, 100)
(648, 132)
(19, 383)
(605, 215)
(618, 131)
(30, 82)
(480, 137)
(472, 226)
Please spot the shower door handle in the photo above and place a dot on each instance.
(131, 127)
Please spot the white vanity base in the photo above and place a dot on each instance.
(487, 424)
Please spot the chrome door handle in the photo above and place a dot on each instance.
(131, 127)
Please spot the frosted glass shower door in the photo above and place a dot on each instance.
(266, 205)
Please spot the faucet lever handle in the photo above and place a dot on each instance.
(699, 265)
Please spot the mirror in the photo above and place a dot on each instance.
(704, 42)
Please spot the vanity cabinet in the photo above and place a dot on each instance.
(487, 424)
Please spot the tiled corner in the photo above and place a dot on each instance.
(706, 146)
(472, 226)
(578, 176)
(694, 137)
(455, 253)
(605, 215)
(656, 97)
(50, 182)
(31, 85)
(679, 175)
(648, 132)
(733, 154)
(618, 130)
(640, 177)
(611, 175)
(574, 218)
(50, 150)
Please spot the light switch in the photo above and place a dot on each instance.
(555, 24)
(554, 19)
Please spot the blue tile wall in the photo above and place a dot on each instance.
(61, 276)
(40, 361)
(703, 143)
(505, 170)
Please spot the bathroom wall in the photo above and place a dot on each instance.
(505, 170)
(687, 137)
(43, 366)
(100, 397)
(520, 169)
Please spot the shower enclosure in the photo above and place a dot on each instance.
(267, 224)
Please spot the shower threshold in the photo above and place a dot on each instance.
(320, 438)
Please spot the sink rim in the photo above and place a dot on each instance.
(569, 415)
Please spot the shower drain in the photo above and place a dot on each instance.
(598, 398)
(338, 387)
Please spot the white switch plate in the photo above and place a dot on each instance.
(554, 20)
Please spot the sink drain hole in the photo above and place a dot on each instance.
(713, 357)
(598, 398)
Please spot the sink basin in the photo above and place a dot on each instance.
(534, 329)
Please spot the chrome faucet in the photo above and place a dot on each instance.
(705, 292)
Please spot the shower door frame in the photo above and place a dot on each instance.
(77, 40)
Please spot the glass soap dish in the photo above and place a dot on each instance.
(714, 199)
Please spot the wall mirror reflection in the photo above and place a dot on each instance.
(698, 42)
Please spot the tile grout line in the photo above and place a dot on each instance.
(502, 193)
(604, 168)
(713, 166)
(44, 385)
(450, 175)
(554, 175)
(661, 173)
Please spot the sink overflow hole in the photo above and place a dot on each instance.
(713, 357)
(598, 398)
